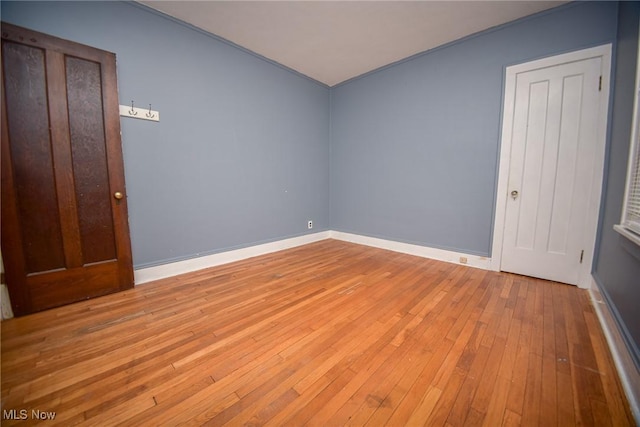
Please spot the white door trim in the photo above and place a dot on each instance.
(511, 72)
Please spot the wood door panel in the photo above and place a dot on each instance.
(62, 159)
(87, 135)
(70, 285)
(33, 174)
(64, 237)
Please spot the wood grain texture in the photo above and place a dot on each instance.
(88, 148)
(63, 164)
(326, 334)
(28, 123)
(65, 238)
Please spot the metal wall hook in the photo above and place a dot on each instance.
(139, 113)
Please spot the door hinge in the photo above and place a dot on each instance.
(600, 84)
(581, 256)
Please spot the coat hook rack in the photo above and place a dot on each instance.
(139, 113)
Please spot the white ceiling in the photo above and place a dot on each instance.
(333, 41)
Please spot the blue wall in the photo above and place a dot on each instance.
(617, 259)
(414, 147)
(241, 153)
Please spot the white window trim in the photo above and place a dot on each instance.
(630, 229)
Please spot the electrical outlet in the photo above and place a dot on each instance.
(310, 224)
(463, 260)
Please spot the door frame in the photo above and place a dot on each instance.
(511, 72)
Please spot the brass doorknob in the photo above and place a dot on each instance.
(118, 195)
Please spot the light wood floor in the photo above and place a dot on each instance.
(327, 334)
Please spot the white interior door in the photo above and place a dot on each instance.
(554, 149)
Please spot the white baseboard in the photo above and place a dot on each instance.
(417, 250)
(629, 375)
(149, 274)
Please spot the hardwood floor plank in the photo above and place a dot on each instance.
(511, 419)
(532, 408)
(326, 334)
(488, 377)
(497, 403)
(549, 392)
(565, 408)
(417, 404)
(449, 395)
(425, 408)
(462, 404)
(606, 368)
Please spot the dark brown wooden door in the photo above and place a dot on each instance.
(65, 235)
